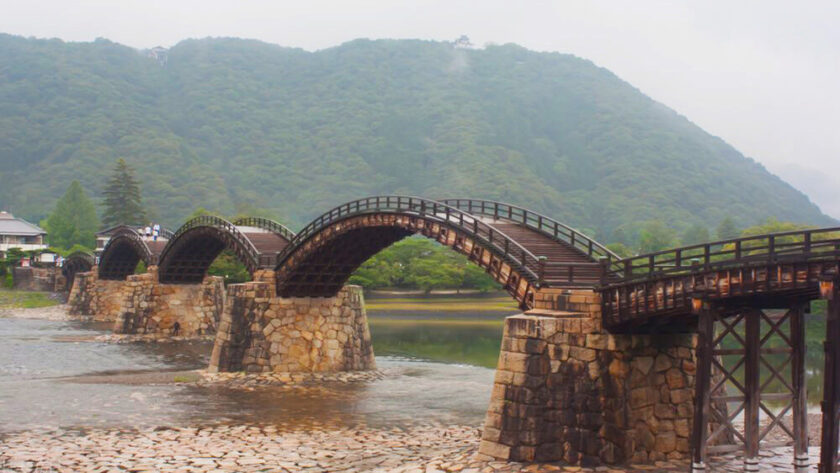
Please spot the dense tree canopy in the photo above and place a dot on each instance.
(73, 221)
(228, 122)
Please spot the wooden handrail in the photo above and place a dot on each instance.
(813, 243)
(266, 224)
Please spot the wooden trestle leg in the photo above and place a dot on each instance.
(754, 389)
(702, 389)
(800, 395)
(752, 386)
(831, 392)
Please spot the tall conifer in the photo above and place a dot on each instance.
(123, 204)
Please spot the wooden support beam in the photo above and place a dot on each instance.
(800, 396)
(702, 387)
(752, 389)
(830, 289)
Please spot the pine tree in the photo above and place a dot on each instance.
(123, 204)
(74, 219)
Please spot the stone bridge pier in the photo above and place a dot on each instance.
(142, 305)
(566, 390)
(260, 332)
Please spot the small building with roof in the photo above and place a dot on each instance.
(18, 233)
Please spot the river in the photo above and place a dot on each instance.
(437, 354)
(436, 364)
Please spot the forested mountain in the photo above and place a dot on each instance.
(229, 123)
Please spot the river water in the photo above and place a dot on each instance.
(437, 355)
(435, 364)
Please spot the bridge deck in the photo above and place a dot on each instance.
(156, 247)
(564, 265)
(264, 241)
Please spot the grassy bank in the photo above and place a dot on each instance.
(11, 299)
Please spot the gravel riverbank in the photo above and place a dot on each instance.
(252, 448)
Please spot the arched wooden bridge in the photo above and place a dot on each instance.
(756, 289)
(76, 262)
(521, 249)
(124, 251)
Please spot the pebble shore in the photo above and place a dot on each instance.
(252, 448)
(54, 313)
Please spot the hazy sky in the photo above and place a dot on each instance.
(763, 75)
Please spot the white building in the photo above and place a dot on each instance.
(18, 233)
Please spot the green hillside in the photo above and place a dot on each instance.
(228, 124)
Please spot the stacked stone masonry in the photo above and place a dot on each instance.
(567, 391)
(32, 278)
(141, 305)
(96, 298)
(259, 332)
(149, 307)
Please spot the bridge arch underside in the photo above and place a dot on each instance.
(121, 256)
(321, 265)
(188, 257)
(74, 266)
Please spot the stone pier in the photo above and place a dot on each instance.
(142, 305)
(96, 298)
(260, 332)
(566, 390)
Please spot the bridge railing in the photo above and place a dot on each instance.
(266, 224)
(251, 252)
(532, 267)
(770, 248)
(545, 225)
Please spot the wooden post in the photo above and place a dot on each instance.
(702, 387)
(752, 387)
(830, 289)
(800, 396)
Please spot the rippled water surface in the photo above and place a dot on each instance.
(436, 367)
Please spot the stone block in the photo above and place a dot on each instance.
(494, 450)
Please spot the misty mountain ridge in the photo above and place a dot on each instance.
(227, 124)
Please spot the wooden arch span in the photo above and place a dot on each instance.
(124, 251)
(194, 247)
(322, 256)
(76, 262)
